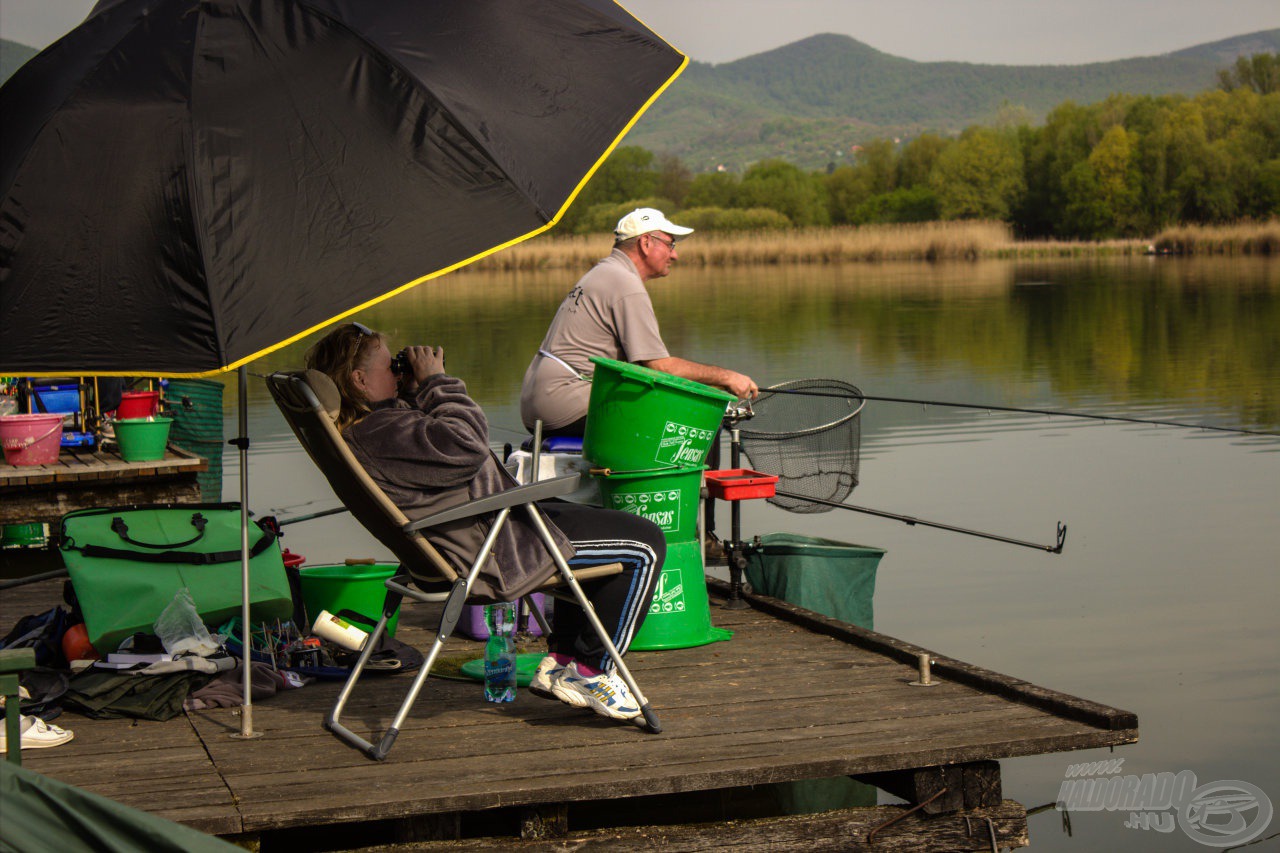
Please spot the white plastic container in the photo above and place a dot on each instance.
(339, 631)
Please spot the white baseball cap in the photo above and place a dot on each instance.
(646, 219)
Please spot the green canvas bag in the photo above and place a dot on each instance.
(127, 563)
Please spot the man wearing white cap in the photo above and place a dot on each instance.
(608, 313)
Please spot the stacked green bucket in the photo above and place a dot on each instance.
(652, 432)
(196, 408)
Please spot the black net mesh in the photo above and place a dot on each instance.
(806, 432)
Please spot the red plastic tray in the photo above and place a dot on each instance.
(740, 484)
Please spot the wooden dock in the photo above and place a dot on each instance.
(793, 696)
(87, 478)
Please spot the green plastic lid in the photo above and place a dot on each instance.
(649, 376)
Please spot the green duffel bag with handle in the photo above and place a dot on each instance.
(127, 563)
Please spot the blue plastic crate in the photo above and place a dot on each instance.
(56, 399)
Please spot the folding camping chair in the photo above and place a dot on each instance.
(309, 401)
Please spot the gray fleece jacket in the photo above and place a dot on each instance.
(430, 451)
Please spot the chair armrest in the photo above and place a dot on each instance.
(541, 490)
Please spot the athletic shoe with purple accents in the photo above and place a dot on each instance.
(605, 693)
(544, 679)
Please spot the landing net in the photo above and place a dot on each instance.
(807, 433)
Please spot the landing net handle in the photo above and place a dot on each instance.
(808, 433)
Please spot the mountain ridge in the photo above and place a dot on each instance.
(811, 100)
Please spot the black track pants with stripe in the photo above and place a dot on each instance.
(603, 536)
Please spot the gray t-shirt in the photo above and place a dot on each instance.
(607, 313)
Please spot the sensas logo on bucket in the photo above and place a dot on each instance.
(682, 445)
(669, 595)
(662, 507)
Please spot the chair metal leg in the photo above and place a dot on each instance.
(650, 717)
(538, 615)
(396, 590)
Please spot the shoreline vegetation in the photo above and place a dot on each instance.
(928, 241)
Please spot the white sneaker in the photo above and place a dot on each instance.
(37, 734)
(544, 680)
(606, 693)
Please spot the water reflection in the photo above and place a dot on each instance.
(1201, 333)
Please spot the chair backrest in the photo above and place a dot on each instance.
(309, 401)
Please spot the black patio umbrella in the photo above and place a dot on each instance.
(189, 184)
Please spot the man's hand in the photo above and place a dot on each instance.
(742, 386)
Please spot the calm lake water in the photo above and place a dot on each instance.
(1164, 601)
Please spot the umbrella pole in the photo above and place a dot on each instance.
(246, 633)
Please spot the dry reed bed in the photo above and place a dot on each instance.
(1241, 238)
(927, 241)
(931, 241)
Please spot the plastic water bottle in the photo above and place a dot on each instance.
(500, 653)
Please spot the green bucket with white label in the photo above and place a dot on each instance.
(679, 616)
(669, 499)
(642, 420)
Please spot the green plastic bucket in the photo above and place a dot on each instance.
(833, 578)
(143, 439)
(196, 408)
(669, 499)
(680, 615)
(344, 587)
(25, 535)
(643, 420)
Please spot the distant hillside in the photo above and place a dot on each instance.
(811, 101)
(808, 100)
(12, 56)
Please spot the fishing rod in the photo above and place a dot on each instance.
(43, 576)
(314, 515)
(1051, 412)
(1056, 548)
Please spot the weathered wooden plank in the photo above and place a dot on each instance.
(840, 830)
(1016, 689)
(47, 503)
(634, 767)
(159, 768)
(562, 728)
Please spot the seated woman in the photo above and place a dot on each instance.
(426, 443)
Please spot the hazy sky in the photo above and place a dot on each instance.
(1017, 32)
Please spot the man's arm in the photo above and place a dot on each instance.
(735, 383)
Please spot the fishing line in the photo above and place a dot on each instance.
(1050, 412)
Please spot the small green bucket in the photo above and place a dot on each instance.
(669, 499)
(680, 615)
(23, 536)
(348, 587)
(640, 419)
(143, 439)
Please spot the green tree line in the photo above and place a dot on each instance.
(1124, 167)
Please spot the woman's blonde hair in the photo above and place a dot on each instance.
(337, 354)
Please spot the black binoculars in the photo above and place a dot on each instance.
(400, 364)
